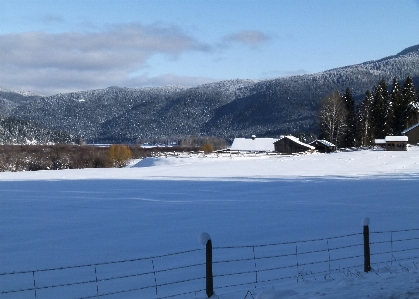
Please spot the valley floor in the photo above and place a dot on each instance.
(156, 206)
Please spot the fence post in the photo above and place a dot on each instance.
(205, 239)
(367, 261)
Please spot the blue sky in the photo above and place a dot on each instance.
(61, 46)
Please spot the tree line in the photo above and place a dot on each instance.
(68, 156)
(382, 112)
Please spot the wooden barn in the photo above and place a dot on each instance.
(323, 146)
(290, 144)
(412, 133)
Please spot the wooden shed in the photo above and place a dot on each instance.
(290, 144)
(323, 146)
(393, 143)
(412, 133)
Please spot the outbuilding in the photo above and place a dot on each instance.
(323, 146)
(393, 143)
(290, 144)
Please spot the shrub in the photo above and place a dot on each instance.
(207, 148)
(119, 155)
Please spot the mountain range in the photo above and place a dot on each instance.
(226, 109)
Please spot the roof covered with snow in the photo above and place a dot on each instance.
(253, 144)
(325, 142)
(296, 140)
(396, 138)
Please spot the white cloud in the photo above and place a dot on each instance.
(66, 61)
(50, 63)
(251, 38)
(117, 48)
(50, 82)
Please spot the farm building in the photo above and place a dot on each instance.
(393, 143)
(323, 146)
(290, 144)
(412, 133)
(253, 144)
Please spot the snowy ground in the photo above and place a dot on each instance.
(160, 205)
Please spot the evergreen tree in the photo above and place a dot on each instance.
(349, 137)
(399, 108)
(380, 110)
(364, 120)
(410, 97)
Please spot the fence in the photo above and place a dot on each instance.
(165, 276)
(183, 274)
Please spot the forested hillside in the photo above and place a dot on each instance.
(224, 109)
(14, 131)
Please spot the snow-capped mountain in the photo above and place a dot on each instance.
(225, 109)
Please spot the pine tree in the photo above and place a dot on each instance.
(398, 107)
(364, 120)
(380, 122)
(349, 137)
(410, 98)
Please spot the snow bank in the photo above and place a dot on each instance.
(364, 163)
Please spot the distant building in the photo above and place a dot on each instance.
(393, 143)
(323, 146)
(253, 144)
(412, 133)
(290, 144)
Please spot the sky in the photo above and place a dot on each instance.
(60, 46)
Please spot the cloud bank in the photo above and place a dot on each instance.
(50, 63)
(68, 61)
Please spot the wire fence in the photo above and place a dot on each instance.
(261, 265)
(182, 274)
(164, 276)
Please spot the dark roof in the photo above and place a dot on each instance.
(411, 128)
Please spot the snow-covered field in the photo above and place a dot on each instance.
(157, 206)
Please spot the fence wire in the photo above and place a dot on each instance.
(182, 274)
(163, 276)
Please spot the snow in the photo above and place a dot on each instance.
(157, 206)
(204, 238)
(365, 221)
(396, 138)
(253, 144)
(325, 142)
(296, 140)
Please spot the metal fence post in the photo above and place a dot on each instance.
(367, 261)
(205, 239)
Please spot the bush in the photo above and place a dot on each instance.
(119, 155)
(206, 148)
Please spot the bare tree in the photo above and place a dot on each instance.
(332, 118)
